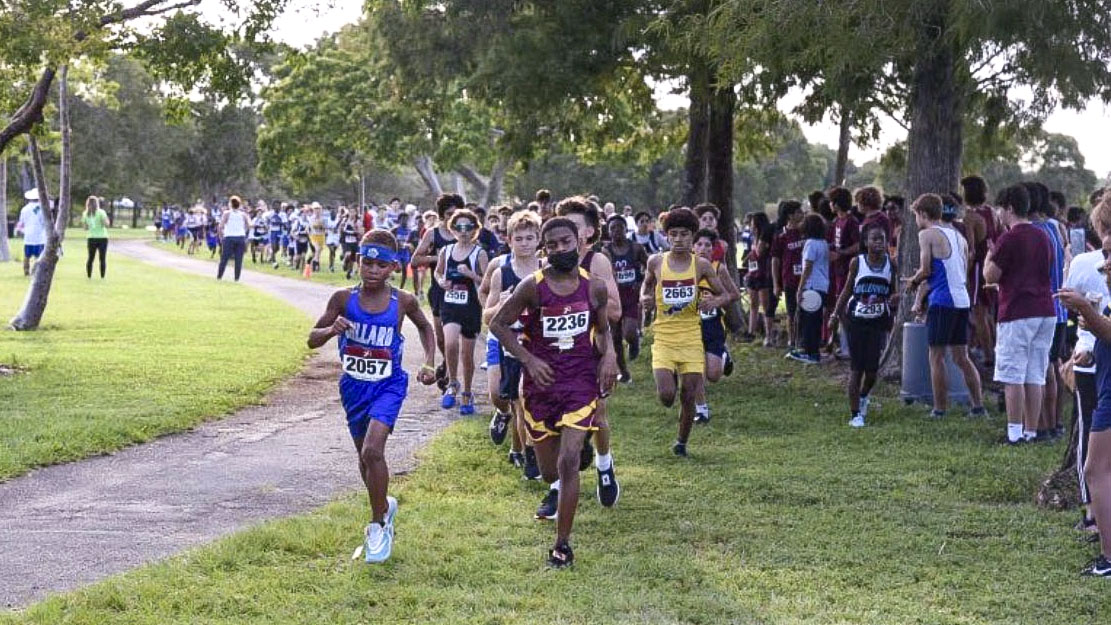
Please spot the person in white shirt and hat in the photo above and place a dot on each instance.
(32, 222)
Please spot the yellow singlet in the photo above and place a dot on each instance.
(677, 328)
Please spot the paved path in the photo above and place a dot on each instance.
(72, 524)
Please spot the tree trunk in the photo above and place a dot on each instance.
(694, 167)
(427, 170)
(362, 188)
(494, 186)
(5, 251)
(460, 186)
(467, 173)
(844, 140)
(719, 189)
(933, 154)
(34, 304)
(1061, 491)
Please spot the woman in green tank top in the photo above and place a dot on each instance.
(96, 222)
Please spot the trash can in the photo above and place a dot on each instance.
(916, 370)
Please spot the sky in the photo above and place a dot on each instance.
(307, 20)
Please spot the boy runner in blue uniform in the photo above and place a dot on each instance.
(367, 320)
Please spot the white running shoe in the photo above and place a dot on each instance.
(857, 421)
(379, 543)
(864, 402)
(391, 510)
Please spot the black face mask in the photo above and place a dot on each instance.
(564, 261)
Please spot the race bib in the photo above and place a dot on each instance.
(351, 239)
(797, 269)
(753, 265)
(708, 316)
(677, 292)
(457, 296)
(870, 310)
(626, 276)
(564, 323)
(368, 365)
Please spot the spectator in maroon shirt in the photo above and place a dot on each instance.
(787, 260)
(844, 245)
(870, 201)
(1020, 265)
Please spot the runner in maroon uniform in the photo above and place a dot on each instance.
(983, 299)
(562, 348)
(758, 280)
(629, 260)
(844, 245)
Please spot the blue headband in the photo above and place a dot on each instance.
(378, 252)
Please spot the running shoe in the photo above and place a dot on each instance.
(609, 491)
(679, 449)
(448, 400)
(586, 457)
(517, 459)
(857, 421)
(1100, 567)
(561, 556)
(549, 506)
(727, 363)
(978, 412)
(865, 402)
(531, 470)
(391, 510)
(499, 427)
(702, 414)
(1086, 525)
(378, 544)
(937, 414)
(634, 350)
(625, 378)
(466, 407)
(803, 358)
(484, 365)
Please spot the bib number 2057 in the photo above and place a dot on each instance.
(367, 369)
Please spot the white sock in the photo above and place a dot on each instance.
(1029, 434)
(603, 461)
(1014, 432)
(701, 408)
(554, 485)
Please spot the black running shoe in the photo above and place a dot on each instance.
(727, 366)
(609, 491)
(531, 469)
(499, 427)
(586, 456)
(549, 506)
(679, 449)
(441, 377)
(561, 556)
(1100, 567)
(517, 459)
(634, 350)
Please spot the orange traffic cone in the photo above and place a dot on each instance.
(308, 270)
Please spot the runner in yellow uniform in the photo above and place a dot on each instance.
(671, 288)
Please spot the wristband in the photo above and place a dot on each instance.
(428, 368)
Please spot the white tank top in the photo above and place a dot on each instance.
(948, 276)
(236, 225)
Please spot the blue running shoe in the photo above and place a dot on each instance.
(448, 400)
(466, 407)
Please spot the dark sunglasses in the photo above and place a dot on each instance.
(463, 227)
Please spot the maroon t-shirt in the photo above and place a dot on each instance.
(787, 247)
(844, 233)
(1023, 253)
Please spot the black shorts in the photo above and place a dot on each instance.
(435, 297)
(350, 248)
(791, 295)
(757, 282)
(713, 335)
(301, 247)
(946, 326)
(1058, 349)
(509, 388)
(469, 318)
(867, 341)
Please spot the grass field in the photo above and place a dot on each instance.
(143, 353)
(782, 515)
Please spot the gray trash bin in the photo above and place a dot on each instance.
(916, 369)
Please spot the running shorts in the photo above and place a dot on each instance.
(680, 359)
(302, 247)
(350, 248)
(791, 297)
(509, 388)
(866, 344)
(493, 351)
(275, 238)
(379, 401)
(468, 316)
(404, 256)
(435, 297)
(946, 326)
(630, 302)
(317, 241)
(713, 336)
(33, 251)
(547, 412)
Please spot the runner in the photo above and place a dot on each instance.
(437, 237)
(349, 238)
(844, 245)
(629, 262)
(299, 237)
(458, 271)
(260, 231)
(786, 253)
(166, 222)
(564, 345)
(316, 234)
(332, 237)
(584, 214)
(865, 303)
(524, 239)
(718, 360)
(367, 321)
(274, 230)
(404, 235)
(758, 280)
(670, 284)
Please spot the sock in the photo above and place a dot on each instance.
(554, 485)
(701, 408)
(863, 397)
(603, 461)
(1014, 432)
(1029, 434)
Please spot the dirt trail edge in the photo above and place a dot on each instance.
(72, 524)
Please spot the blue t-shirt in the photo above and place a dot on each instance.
(1057, 264)
(816, 251)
